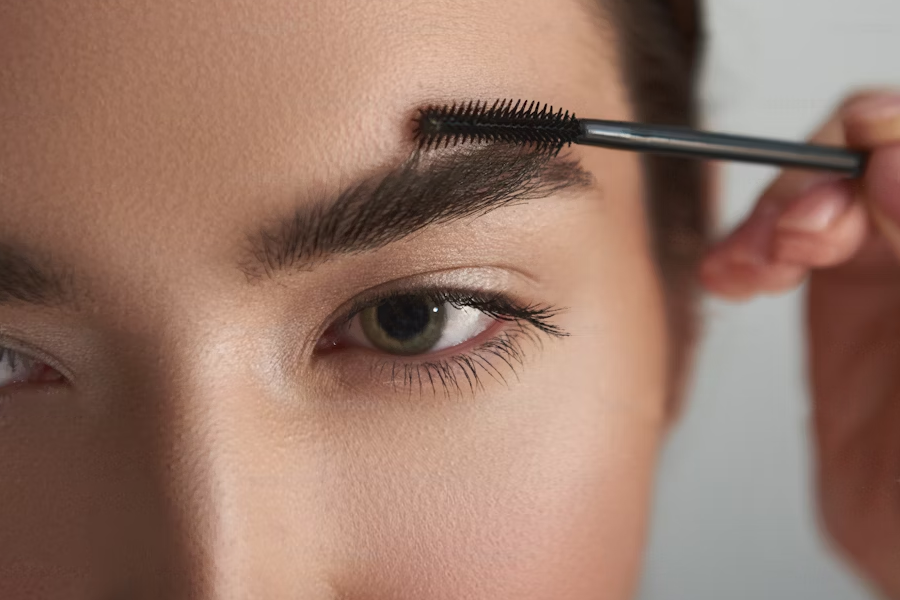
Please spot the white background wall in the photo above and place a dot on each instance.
(734, 516)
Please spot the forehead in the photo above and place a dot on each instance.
(119, 113)
(212, 69)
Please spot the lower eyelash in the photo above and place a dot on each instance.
(461, 372)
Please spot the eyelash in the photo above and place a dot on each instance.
(10, 355)
(529, 323)
(13, 358)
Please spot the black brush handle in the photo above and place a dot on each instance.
(682, 141)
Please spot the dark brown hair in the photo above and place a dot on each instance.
(661, 44)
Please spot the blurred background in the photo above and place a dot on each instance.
(734, 515)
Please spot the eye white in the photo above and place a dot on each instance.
(14, 367)
(461, 325)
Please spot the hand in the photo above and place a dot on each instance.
(845, 236)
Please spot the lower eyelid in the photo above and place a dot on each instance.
(497, 355)
(496, 360)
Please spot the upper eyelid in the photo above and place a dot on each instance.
(537, 316)
(436, 292)
(485, 279)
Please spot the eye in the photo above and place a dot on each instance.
(412, 324)
(16, 367)
(438, 339)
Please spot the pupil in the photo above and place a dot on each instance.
(405, 317)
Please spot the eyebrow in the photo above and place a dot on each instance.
(26, 279)
(426, 190)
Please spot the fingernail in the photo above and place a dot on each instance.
(879, 115)
(817, 209)
(880, 107)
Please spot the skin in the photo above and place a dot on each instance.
(845, 239)
(199, 448)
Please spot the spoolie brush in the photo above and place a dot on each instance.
(542, 129)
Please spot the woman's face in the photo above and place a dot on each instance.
(197, 199)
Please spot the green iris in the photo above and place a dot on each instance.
(404, 324)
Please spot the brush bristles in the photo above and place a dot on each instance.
(517, 123)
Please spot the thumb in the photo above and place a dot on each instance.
(882, 191)
(873, 122)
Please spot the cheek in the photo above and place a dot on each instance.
(529, 498)
(538, 491)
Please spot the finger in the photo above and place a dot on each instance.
(740, 266)
(883, 193)
(735, 271)
(830, 224)
(872, 120)
(736, 281)
(822, 228)
(805, 219)
(790, 184)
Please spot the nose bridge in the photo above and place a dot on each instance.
(211, 423)
(236, 485)
(196, 457)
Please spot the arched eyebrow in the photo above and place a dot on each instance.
(426, 190)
